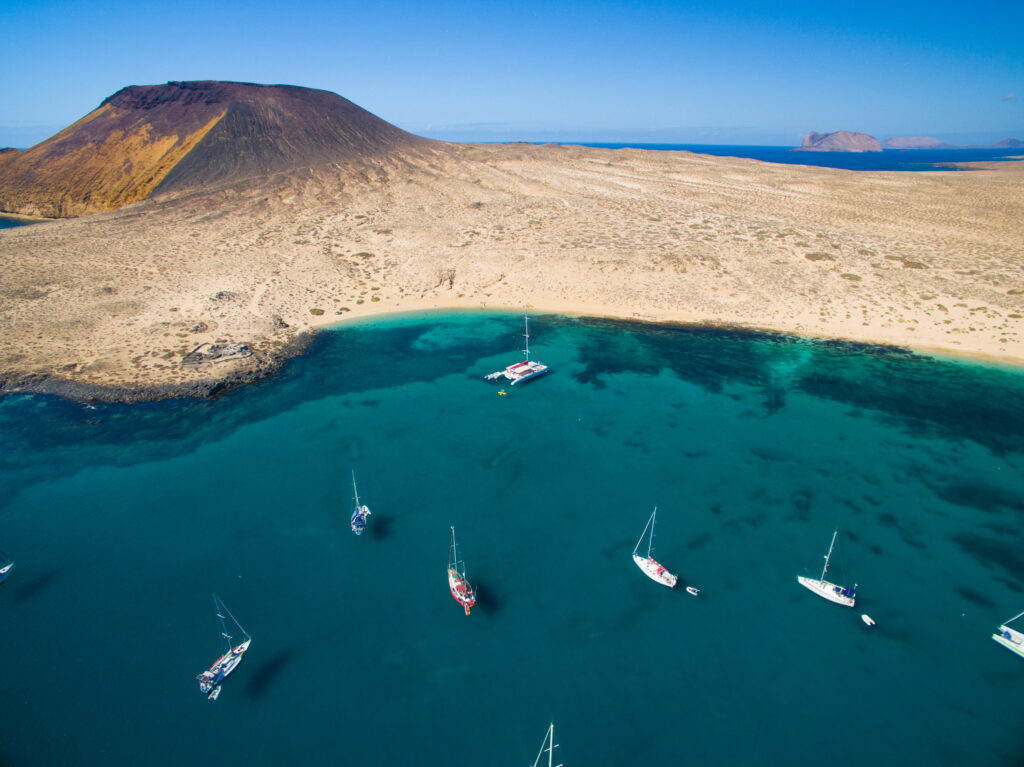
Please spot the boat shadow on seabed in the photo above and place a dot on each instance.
(263, 678)
(487, 599)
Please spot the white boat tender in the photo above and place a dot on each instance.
(841, 595)
(867, 619)
(1011, 639)
(692, 590)
(651, 568)
(523, 371)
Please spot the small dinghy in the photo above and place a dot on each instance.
(6, 565)
(867, 619)
(215, 694)
(692, 590)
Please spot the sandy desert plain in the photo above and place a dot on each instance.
(107, 305)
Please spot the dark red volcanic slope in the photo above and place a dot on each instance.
(149, 139)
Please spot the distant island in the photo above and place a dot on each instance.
(839, 141)
(848, 141)
(916, 142)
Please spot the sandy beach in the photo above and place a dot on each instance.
(925, 260)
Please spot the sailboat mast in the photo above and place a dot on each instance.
(526, 333)
(355, 491)
(644, 533)
(650, 541)
(828, 556)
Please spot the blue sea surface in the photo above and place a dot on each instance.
(887, 159)
(9, 223)
(124, 519)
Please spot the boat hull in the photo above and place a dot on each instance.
(655, 571)
(359, 519)
(1011, 639)
(5, 571)
(221, 667)
(829, 591)
(462, 592)
(521, 372)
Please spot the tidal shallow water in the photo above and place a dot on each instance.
(124, 519)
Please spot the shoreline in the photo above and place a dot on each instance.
(108, 305)
(267, 366)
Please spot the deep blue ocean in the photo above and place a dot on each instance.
(887, 159)
(7, 223)
(123, 520)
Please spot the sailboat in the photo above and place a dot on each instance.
(457, 583)
(6, 565)
(1011, 639)
(841, 595)
(651, 568)
(209, 680)
(526, 370)
(547, 747)
(361, 513)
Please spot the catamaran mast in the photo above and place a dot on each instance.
(526, 334)
(827, 556)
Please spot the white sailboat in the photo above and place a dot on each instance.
(526, 370)
(361, 513)
(1011, 639)
(841, 595)
(6, 565)
(209, 680)
(547, 747)
(652, 569)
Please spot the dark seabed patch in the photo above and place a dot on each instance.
(974, 597)
(989, 552)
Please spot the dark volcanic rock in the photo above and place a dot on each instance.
(264, 366)
(840, 141)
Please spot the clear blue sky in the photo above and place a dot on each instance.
(698, 72)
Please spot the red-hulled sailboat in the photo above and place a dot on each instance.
(460, 588)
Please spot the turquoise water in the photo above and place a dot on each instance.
(123, 520)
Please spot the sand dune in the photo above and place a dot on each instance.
(927, 260)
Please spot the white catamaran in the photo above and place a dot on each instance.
(209, 680)
(526, 370)
(1011, 639)
(547, 747)
(462, 592)
(651, 568)
(361, 513)
(841, 595)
